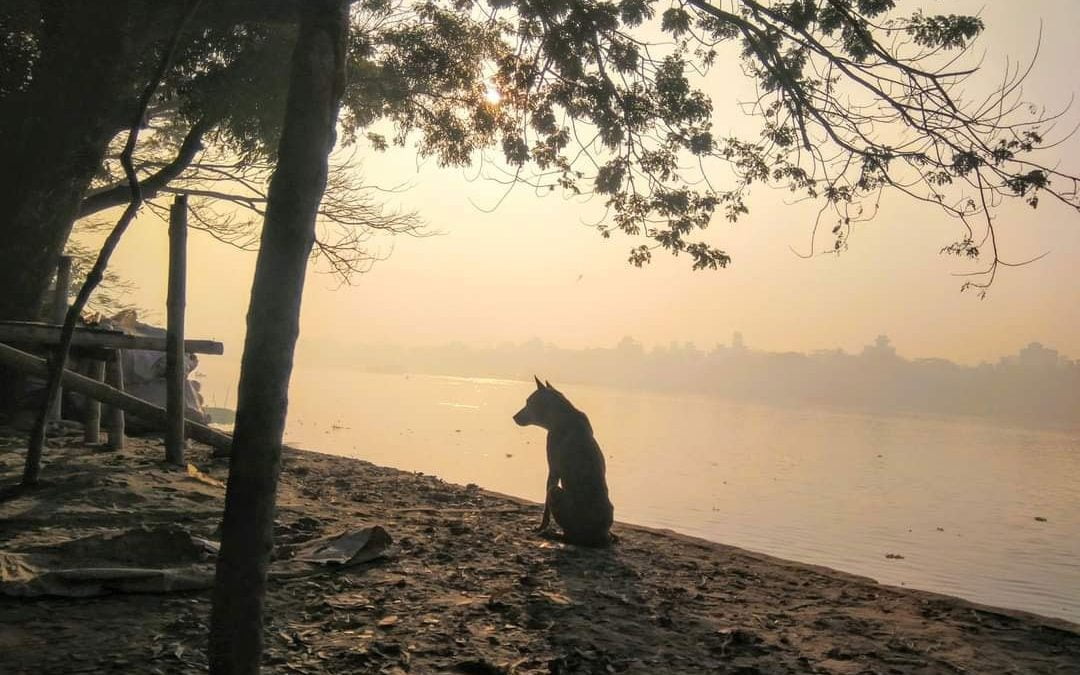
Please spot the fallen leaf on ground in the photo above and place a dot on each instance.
(193, 472)
(557, 598)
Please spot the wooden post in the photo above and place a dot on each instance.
(175, 360)
(114, 376)
(92, 422)
(59, 312)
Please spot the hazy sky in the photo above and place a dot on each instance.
(533, 268)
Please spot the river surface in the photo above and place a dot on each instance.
(984, 512)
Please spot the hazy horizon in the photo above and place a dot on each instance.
(318, 350)
(1036, 387)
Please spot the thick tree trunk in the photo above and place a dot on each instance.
(54, 137)
(54, 134)
(316, 82)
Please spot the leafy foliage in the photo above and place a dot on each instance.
(602, 97)
(109, 296)
(855, 99)
(18, 47)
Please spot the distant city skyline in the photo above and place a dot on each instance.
(1034, 386)
(343, 353)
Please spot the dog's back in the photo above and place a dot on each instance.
(577, 493)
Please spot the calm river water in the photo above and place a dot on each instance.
(959, 500)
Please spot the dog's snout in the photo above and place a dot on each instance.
(522, 417)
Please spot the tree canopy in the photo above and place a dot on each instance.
(856, 97)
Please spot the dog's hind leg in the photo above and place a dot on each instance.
(561, 507)
(582, 523)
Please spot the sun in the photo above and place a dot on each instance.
(492, 95)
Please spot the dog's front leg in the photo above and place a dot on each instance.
(547, 516)
(552, 482)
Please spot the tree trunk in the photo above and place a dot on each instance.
(308, 135)
(54, 136)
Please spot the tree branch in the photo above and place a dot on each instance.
(118, 194)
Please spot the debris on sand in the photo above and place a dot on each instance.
(347, 548)
(465, 586)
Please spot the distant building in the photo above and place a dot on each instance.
(1037, 356)
(881, 349)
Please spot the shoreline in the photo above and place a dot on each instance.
(467, 587)
(940, 557)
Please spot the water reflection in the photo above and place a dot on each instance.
(956, 500)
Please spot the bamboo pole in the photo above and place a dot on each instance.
(32, 469)
(114, 377)
(175, 359)
(28, 363)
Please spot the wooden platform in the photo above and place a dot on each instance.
(48, 334)
(102, 348)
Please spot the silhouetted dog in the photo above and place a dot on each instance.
(577, 494)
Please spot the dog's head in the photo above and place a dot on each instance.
(543, 407)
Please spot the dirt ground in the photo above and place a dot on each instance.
(467, 587)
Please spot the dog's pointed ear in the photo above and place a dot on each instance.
(539, 384)
(548, 384)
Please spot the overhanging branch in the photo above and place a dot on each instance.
(120, 193)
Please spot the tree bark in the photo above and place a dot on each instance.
(54, 136)
(308, 135)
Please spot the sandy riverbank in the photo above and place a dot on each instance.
(467, 587)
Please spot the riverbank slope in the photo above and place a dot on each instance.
(467, 587)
